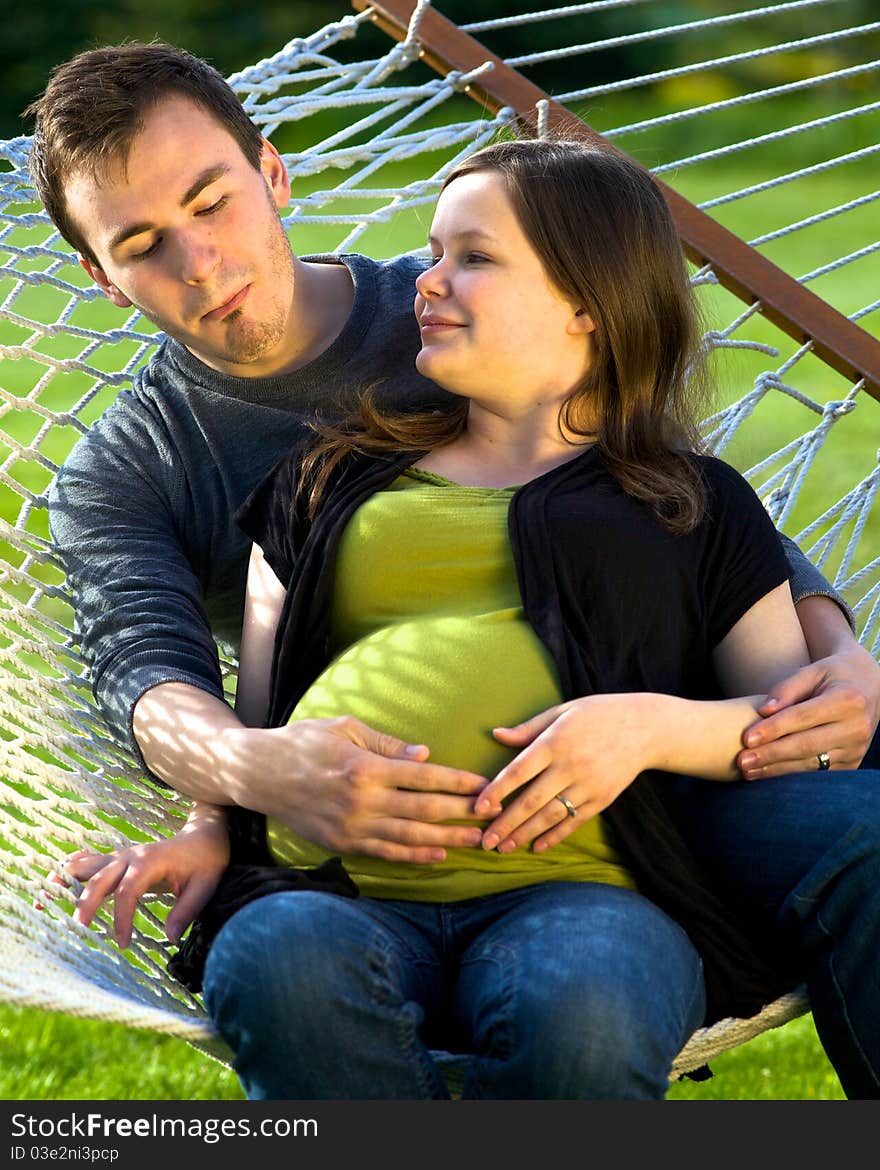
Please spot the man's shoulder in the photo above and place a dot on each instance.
(400, 267)
(131, 416)
(388, 278)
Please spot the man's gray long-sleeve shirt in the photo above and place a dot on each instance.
(142, 512)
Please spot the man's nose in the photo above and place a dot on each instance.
(199, 257)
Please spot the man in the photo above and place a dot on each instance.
(148, 165)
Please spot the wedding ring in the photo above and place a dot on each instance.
(824, 761)
(569, 807)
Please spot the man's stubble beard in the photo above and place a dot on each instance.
(248, 340)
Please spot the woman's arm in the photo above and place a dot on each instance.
(262, 609)
(590, 749)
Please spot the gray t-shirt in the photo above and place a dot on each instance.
(142, 513)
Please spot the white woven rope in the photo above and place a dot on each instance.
(743, 99)
(63, 783)
(656, 34)
(547, 14)
(716, 63)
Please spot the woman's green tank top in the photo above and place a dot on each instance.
(431, 645)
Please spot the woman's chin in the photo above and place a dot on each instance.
(430, 365)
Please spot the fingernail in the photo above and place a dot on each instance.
(507, 847)
(491, 841)
(771, 703)
(748, 760)
(414, 749)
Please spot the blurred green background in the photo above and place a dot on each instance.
(232, 33)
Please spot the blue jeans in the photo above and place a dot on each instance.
(805, 850)
(562, 990)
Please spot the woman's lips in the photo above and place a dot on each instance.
(438, 325)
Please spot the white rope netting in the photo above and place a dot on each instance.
(368, 135)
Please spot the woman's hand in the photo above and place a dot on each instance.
(587, 751)
(584, 753)
(188, 865)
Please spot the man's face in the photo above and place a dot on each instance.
(189, 233)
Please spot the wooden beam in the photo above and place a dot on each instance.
(795, 309)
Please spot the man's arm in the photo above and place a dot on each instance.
(336, 782)
(114, 516)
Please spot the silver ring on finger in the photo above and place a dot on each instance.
(569, 807)
(824, 761)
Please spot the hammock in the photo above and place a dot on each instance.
(368, 128)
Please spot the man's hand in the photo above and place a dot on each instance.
(832, 705)
(336, 782)
(350, 789)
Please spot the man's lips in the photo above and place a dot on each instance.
(228, 306)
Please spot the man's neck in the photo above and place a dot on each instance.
(323, 295)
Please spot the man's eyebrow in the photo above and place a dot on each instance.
(205, 179)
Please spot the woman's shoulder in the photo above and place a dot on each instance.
(732, 501)
(719, 475)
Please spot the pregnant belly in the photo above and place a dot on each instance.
(445, 682)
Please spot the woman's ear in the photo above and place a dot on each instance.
(581, 322)
(110, 291)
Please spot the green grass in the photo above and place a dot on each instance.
(46, 1056)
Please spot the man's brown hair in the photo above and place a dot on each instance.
(95, 104)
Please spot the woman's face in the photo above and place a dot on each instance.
(494, 327)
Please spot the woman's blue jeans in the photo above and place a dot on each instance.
(558, 991)
(805, 850)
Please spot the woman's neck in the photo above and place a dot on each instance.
(501, 451)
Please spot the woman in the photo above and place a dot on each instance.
(476, 582)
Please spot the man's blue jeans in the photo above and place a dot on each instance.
(805, 850)
(559, 991)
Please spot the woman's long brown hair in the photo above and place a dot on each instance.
(604, 234)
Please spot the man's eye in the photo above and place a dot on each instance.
(147, 251)
(215, 207)
(476, 258)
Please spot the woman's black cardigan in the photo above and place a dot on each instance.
(620, 607)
